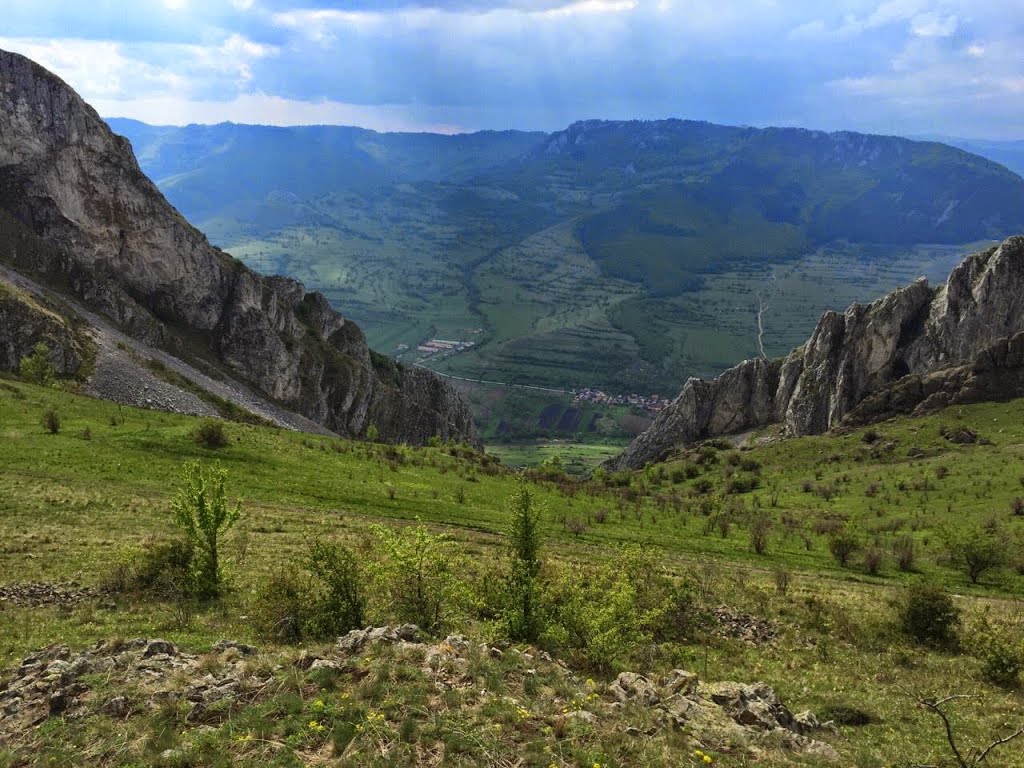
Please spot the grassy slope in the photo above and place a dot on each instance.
(71, 506)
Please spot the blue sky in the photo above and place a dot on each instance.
(911, 67)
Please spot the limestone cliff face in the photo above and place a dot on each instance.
(121, 248)
(917, 348)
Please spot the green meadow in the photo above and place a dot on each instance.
(76, 504)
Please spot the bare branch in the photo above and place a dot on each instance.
(999, 742)
(935, 705)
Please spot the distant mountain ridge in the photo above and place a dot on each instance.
(80, 216)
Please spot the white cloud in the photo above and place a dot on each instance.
(934, 25)
(102, 69)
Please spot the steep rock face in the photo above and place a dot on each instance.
(915, 349)
(120, 247)
(24, 322)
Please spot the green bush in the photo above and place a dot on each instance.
(929, 615)
(976, 551)
(37, 368)
(201, 511)
(163, 568)
(51, 421)
(210, 433)
(603, 616)
(842, 544)
(337, 603)
(1001, 656)
(278, 609)
(417, 576)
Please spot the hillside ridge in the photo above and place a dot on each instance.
(916, 349)
(116, 244)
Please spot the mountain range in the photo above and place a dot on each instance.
(624, 255)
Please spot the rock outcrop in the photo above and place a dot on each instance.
(115, 244)
(917, 349)
(127, 680)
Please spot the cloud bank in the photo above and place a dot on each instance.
(952, 67)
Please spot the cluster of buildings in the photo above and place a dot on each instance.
(443, 346)
(651, 403)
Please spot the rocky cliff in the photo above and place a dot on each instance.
(119, 247)
(916, 349)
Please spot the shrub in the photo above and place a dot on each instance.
(929, 615)
(36, 367)
(210, 433)
(782, 580)
(417, 576)
(201, 510)
(51, 421)
(372, 433)
(337, 603)
(277, 610)
(163, 568)
(760, 527)
(1002, 657)
(577, 526)
(842, 544)
(1017, 507)
(903, 550)
(873, 559)
(602, 616)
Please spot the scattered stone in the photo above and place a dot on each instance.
(116, 707)
(355, 640)
(725, 716)
(582, 716)
(39, 594)
(914, 452)
(630, 685)
(962, 436)
(224, 645)
(159, 646)
(744, 626)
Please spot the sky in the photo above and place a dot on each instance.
(907, 67)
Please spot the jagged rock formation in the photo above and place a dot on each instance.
(917, 349)
(111, 240)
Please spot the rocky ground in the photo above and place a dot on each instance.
(125, 680)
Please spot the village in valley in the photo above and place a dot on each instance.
(650, 403)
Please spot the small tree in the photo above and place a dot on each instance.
(842, 544)
(524, 535)
(372, 433)
(37, 368)
(760, 526)
(977, 551)
(201, 510)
